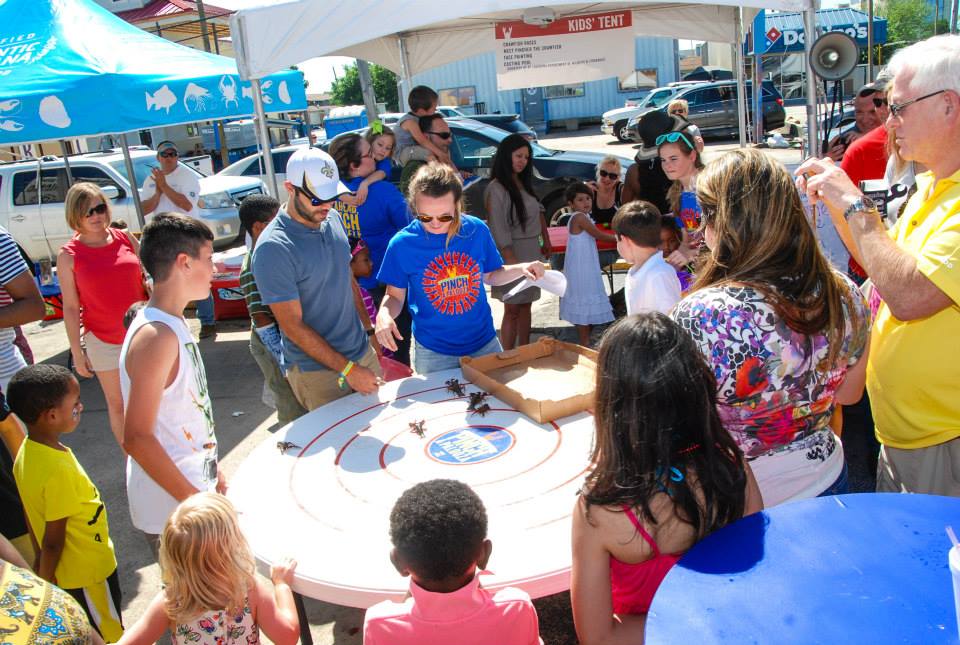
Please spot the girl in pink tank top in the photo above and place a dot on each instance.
(666, 475)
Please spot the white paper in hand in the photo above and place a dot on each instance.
(553, 281)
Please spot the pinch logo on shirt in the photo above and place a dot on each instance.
(452, 282)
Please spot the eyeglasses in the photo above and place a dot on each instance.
(443, 219)
(442, 135)
(611, 175)
(99, 209)
(879, 103)
(897, 108)
(673, 137)
(314, 200)
(169, 153)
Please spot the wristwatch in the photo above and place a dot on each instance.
(862, 204)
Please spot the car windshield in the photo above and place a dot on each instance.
(498, 135)
(141, 168)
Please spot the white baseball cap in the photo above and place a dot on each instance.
(314, 171)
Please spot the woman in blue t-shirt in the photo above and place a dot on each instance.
(439, 264)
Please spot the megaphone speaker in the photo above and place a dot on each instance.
(834, 56)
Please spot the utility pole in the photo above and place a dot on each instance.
(202, 14)
(366, 88)
(953, 16)
(870, 41)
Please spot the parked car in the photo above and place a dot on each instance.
(713, 108)
(509, 122)
(252, 166)
(33, 212)
(614, 122)
(474, 145)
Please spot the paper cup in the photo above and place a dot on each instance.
(954, 560)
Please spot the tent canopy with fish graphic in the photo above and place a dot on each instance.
(70, 68)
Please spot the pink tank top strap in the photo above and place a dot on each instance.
(643, 532)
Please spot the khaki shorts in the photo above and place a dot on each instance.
(934, 470)
(103, 356)
(320, 387)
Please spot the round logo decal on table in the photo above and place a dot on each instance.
(470, 445)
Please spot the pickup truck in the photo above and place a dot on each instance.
(33, 212)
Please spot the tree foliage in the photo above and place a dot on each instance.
(346, 89)
(908, 21)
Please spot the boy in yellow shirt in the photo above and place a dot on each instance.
(64, 509)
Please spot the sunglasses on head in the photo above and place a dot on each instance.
(169, 153)
(673, 137)
(99, 209)
(443, 219)
(314, 200)
(442, 135)
(611, 175)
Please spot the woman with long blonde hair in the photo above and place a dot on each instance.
(100, 277)
(785, 335)
(211, 592)
(439, 264)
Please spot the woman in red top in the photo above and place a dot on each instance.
(100, 277)
(667, 474)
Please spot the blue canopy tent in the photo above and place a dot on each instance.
(70, 68)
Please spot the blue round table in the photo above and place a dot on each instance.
(865, 568)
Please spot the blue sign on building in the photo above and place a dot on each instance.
(782, 33)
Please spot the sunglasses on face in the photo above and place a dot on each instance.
(313, 199)
(442, 135)
(673, 137)
(169, 153)
(611, 175)
(99, 209)
(443, 219)
(879, 103)
(896, 109)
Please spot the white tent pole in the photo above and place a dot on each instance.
(810, 35)
(132, 176)
(263, 134)
(406, 84)
(741, 82)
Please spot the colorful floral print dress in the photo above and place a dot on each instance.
(775, 388)
(34, 611)
(219, 628)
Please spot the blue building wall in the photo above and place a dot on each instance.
(599, 96)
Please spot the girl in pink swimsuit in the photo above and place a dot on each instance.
(667, 474)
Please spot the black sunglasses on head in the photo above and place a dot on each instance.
(442, 135)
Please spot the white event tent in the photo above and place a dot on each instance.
(409, 36)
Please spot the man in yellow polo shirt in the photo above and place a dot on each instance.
(913, 373)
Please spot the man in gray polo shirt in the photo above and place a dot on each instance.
(302, 265)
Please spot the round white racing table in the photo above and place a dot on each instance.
(326, 500)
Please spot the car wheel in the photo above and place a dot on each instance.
(620, 129)
(557, 211)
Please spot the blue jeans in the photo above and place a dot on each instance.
(205, 310)
(839, 486)
(426, 360)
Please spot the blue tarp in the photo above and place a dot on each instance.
(70, 68)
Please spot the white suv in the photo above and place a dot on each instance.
(41, 228)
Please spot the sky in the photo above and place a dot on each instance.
(319, 71)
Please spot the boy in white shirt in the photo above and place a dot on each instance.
(651, 284)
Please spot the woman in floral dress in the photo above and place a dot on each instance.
(785, 334)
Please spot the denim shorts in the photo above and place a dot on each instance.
(840, 485)
(426, 360)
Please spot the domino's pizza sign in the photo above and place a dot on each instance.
(789, 36)
(472, 445)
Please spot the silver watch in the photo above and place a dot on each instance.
(863, 204)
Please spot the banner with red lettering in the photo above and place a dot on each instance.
(569, 50)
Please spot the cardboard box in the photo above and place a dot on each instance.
(545, 380)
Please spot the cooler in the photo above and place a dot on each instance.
(228, 299)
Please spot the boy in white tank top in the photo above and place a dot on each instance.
(168, 428)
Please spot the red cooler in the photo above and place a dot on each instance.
(228, 299)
